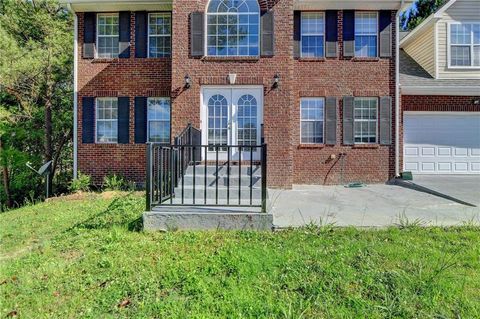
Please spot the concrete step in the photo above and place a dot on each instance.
(223, 169)
(222, 180)
(222, 192)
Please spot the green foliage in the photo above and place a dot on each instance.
(81, 183)
(69, 259)
(36, 66)
(411, 18)
(114, 182)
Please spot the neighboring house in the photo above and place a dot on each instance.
(314, 80)
(440, 89)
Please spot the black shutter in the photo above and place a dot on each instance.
(88, 120)
(141, 36)
(348, 108)
(197, 34)
(331, 40)
(140, 120)
(331, 121)
(124, 34)
(348, 33)
(386, 120)
(385, 34)
(267, 42)
(89, 34)
(123, 120)
(297, 36)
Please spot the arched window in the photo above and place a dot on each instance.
(247, 120)
(217, 120)
(233, 28)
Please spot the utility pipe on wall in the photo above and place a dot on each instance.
(397, 90)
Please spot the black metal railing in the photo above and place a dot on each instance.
(206, 175)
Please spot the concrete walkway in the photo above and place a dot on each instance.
(373, 205)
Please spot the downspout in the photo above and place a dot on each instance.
(397, 90)
(75, 94)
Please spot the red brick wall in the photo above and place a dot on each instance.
(288, 162)
(435, 103)
(339, 77)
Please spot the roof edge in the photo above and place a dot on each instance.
(440, 90)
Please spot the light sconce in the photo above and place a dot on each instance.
(276, 81)
(188, 81)
(476, 101)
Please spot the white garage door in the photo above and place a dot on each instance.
(442, 143)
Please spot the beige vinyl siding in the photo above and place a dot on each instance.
(422, 50)
(460, 11)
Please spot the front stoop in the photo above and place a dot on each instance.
(185, 218)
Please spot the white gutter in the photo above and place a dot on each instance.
(441, 90)
(75, 95)
(397, 90)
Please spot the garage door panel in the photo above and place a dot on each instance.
(443, 143)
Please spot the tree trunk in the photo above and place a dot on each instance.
(48, 137)
(6, 180)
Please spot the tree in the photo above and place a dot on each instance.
(36, 66)
(419, 12)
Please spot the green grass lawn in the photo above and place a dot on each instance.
(89, 259)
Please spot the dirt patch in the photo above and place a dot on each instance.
(72, 197)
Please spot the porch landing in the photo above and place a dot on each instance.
(206, 218)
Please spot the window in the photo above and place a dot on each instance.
(107, 120)
(465, 45)
(311, 120)
(366, 34)
(247, 120)
(159, 35)
(107, 36)
(313, 34)
(217, 121)
(365, 120)
(233, 28)
(158, 116)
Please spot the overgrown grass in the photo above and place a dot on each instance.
(88, 259)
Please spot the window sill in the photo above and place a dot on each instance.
(311, 59)
(365, 59)
(311, 146)
(366, 146)
(104, 60)
(230, 58)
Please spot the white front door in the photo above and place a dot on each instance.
(442, 143)
(232, 116)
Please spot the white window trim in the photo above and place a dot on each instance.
(363, 120)
(149, 120)
(323, 121)
(161, 35)
(367, 34)
(449, 47)
(97, 35)
(103, 120)
(313, 34)
(205, 27)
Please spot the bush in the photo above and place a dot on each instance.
(81, 183)
(114, 183)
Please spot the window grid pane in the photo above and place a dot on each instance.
(158, 115)
(311, 120)
(465, 45)
(247, 120)
(159, 35)
(366, 34)
(107, 120)
(365, 120)
(312, 34)
(217, 121)
(107, 43)
(233, 28)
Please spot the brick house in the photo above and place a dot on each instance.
(316, 81)
(440, 89)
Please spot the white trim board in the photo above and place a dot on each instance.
(440, 90)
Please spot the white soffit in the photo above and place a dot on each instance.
(351, 4)
(118, 5)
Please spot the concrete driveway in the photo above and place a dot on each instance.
(378, 205)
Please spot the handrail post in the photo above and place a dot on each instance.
(264, 178)
(148, 186)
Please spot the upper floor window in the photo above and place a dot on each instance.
(158, 117)
(465, 45)
(311, 120)
(159, 35)
(107, 36)
(366, 34)
(365, 120)
(313, 34)
(233, 28)
(107, 120)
